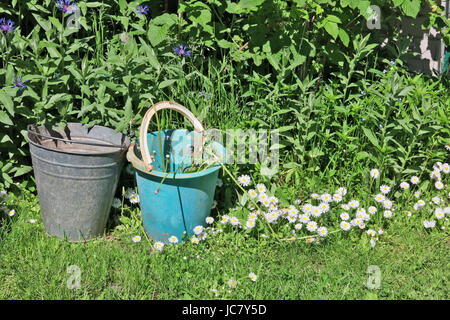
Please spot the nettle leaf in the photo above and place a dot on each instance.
(411, 7)
(157, 34)
(332, 28)
(7, 102)
(4, 118)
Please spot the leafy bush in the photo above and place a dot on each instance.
(294, 65)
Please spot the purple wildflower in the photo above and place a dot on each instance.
(392, 62)
(384, 71)
(6, 26)
(400, 99)
(67, 6)
(19, 83)
(181, 50)
(363, 93)
(142, 9)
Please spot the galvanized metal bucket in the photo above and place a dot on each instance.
(172, 201)
(76, 170)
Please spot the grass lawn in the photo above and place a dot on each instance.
(413, 264)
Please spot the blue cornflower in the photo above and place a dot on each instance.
(6, 26)
(142, 9)
(363, 93)
(19, 83)
(181, 50)
(67, 6)
(392, 62)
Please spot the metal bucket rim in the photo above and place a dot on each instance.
(127, 144)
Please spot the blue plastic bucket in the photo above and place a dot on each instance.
(173, 203)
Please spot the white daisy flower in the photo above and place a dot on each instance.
(315, 196)
(345, 207)
(298, 202)
(345, 225)
(447, 210)
(439, 185)
(311, 226)
(354, 204)
(326, 197)
(342, 191)
(3, 195)
(437, 166)
(316, 212)
(252, 193)
(244, 180)
(136, 239)
(262, 197)
(158, 245)
(415, 180)
(404, 185)
(11, 212)
(379, 198)
(209, 220)
(116, 203)
(234, 221)
(273, 199)
(203, 236)
(362, 225)
(380, 231)
(252, 216)
(173, 239)
(261, 188)
(291, 218)
(445, 168)
(439, 213)
(345, 216)
(387, 214)
(385, 189)
(252, 276)
(436, 200)
(232, 283)
(409, 214)
(421, 203)
(250, 224)
(436, 175)
(387, 204)
(324, 207)
(32, 221)
(224, 219)
(195, 240)
(303, 218)
(307, 208)
(298, 226)
(374, 173)
(198, 230)
(134, 198)
(5, 209)
(372, 210)
(429, 224)
(417, 194)
(371, 232)
(266, 203)
(372, 243)
(337, 197)
(322, 231)
(293, 210)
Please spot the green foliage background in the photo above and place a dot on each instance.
(300, 66)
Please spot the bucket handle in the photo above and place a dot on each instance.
(30, 131)
(143, 140)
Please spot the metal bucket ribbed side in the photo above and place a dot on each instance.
(75, 182)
